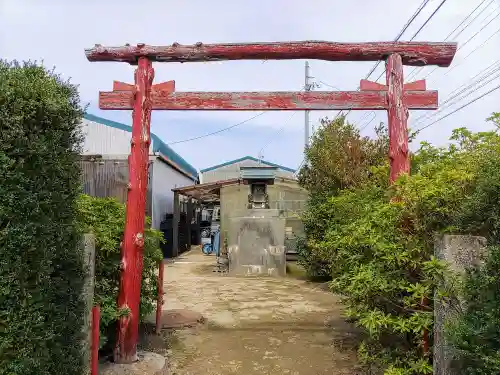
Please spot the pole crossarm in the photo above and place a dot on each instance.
(270, 101)
(412, 53)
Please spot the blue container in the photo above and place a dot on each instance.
(216, 246)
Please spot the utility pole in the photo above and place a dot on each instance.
(307, 87)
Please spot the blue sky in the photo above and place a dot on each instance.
(58, 31)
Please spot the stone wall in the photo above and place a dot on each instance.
(88, 243)
(461, 253)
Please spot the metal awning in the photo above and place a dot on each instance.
(210, 191)
(207, 192)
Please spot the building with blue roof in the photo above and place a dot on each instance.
(105, 166)
(231, 169)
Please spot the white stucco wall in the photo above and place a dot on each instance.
(165, 178)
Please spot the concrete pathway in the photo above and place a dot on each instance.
(254, 325)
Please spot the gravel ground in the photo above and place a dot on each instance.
(254, 325)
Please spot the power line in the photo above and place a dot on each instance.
(428, 19)
(400, 34)
(460, 108)
(464, 44)
(466, 18)
(326, 84)
(279, 131)
(221, 130)
(449, 102)
(420, 29)
(461, 31)
(417, 12)
(218, 131)
(369, 122)
(477, 33)
(405, 27)
(466, 57)
(413, 37)
(497, 62)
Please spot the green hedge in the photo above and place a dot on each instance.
(41, 264)
(105, 218)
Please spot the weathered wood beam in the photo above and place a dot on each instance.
(412, 53)
(365, 85)
(271, 101)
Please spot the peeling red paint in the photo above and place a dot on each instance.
(365, 85)
(159, 299)
(94, 355)
(168, 86)
(271, 101)
(133, 239)
(397, 115)
(412, 53)
(419, 85)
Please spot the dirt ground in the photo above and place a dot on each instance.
(254, 325)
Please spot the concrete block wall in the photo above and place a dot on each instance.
(461, 253)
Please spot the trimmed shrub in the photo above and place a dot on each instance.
(41, 263)
(105, 218)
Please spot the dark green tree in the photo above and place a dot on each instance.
(41, 265)
(338, 158)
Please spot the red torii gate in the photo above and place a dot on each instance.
(395, 97)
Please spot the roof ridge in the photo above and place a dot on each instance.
(248, 157)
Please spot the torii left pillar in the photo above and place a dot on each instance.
(133, 239)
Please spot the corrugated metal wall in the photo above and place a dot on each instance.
(105, 140)
(231, 171)
(109, 178)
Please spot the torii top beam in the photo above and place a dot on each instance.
(412, 53)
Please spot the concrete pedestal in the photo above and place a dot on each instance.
(148, 364)
(256, 243)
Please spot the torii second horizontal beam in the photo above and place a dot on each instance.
(270, 101)
(412, 53)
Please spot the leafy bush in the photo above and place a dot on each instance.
(475, 334)
(41, 262)
(378, 243)
(316, 269)
(105, 218)
(338, 158)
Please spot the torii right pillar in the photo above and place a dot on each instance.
(397, 118)
(397, 113)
